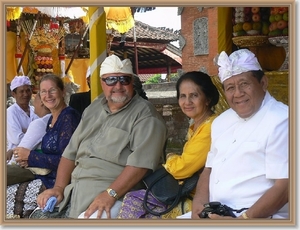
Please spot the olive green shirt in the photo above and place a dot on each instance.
(104, 143)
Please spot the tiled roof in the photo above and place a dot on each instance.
(142, 9)
(153, 47)
(145, 77)
(145, 32)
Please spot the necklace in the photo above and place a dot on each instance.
(50, 125)
(201, 120)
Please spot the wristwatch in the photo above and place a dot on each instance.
(112, 193)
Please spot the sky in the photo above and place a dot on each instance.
(161, 17)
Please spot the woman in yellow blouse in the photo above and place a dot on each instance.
(197, 96)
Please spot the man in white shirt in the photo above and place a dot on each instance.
(247, 166)
(36, 129)
(21, 113)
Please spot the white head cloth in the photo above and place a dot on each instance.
(88, 72)
(113, 64)
(238, 62)
(19, 81)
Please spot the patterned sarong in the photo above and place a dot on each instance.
(21, 198)
(132, 207)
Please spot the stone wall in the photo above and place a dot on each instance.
(163, 96)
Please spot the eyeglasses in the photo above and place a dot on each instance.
(111, 81)
(50, 91)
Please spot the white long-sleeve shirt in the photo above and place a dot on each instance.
(17, 120)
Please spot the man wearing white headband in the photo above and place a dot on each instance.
(247, 166)
(21, 113)
(120, 138)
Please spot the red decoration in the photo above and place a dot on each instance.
(18, 55)
(54, 25)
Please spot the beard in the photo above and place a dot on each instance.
(120, 99)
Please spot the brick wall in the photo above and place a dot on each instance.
(163, 96)
(199, 62)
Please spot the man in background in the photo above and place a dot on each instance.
(21, 113)
(80, 101)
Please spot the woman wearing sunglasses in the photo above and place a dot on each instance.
(120, 138)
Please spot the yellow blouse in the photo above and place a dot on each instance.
(194, 153)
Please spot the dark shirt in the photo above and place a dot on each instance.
(80, 101)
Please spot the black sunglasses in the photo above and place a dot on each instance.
(111, 81)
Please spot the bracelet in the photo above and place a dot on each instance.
(244, 215)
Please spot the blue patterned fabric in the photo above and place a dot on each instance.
(53, 144)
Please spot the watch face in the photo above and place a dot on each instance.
(112, 193)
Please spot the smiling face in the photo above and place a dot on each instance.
(117, 95)
(22, 94)
(244, 93)
(51, 95)
(192, 100)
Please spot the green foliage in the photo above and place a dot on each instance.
(156, 78)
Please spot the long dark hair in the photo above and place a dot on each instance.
(204, 82)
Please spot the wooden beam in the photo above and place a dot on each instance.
(149, 45)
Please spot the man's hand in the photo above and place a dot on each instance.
(103, 203)
(56, 191)
(9, 154)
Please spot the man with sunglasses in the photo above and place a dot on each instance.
(120, 138)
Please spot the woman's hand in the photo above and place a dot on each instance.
(21, 154)
(23, 164)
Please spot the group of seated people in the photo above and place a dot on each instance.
(96, 161)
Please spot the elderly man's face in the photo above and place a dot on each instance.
(244, 93)
(118, 94)
(22, 94)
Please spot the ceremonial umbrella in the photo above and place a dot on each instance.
(119, 18)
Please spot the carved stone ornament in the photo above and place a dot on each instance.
(200, 30)
(181, 42)
(180, 9)
(201, 8)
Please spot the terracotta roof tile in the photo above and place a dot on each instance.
(144, 77)
(145, 32)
